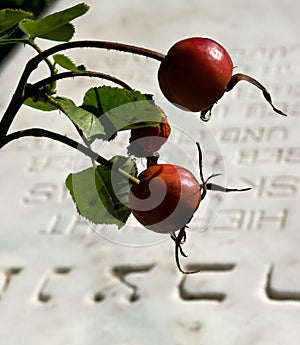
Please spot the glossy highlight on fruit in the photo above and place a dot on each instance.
(195, 73)
(166, 197)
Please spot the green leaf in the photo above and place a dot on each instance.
(6, 34)
(62, 33)
(114, 188)
(65, 62)
(85, 120)
(40, 105)
(101, 195)
(56, 26)
(119, 109)
(9, 18)
(82, 187)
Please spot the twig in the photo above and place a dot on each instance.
(32, 88)
(19, 96)
(40, 132)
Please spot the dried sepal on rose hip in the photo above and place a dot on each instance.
(166, 198)
(197, 71)
(147, 141)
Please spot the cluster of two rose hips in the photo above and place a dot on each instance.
(194, 75)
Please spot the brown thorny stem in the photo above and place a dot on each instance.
(20, 92)
(204, 186)
(32, 88)
(24, 90)
(39, 132)
(205, 114)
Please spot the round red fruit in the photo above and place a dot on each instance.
(166, 197)
(195, 73)
(146, 141)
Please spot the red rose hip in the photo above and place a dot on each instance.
(146, 141)
(166, 197)
(195, 73)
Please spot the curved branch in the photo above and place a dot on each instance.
(127, 48)
(29, 42)
(32, 88)
(40, 132)
(19, 95)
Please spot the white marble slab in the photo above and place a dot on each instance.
(62, 283)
